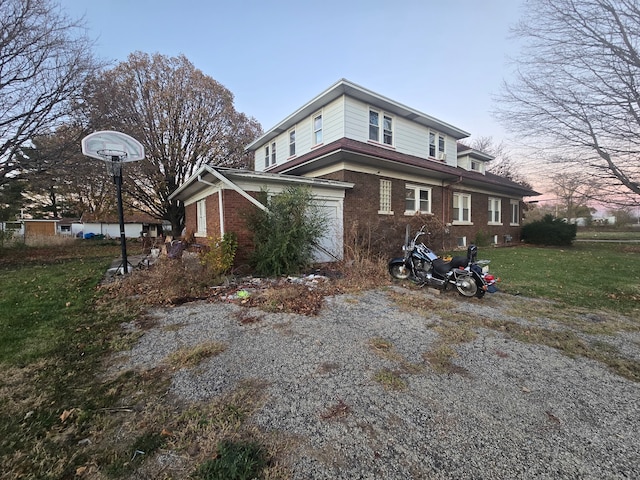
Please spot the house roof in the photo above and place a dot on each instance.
(207, 175)
(472, 152)
(350, 89)
(373, 155)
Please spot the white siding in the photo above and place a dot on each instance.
(347, 117)
(409, 137)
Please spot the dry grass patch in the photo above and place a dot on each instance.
(440, 360)
(338, 410)
(192, 356)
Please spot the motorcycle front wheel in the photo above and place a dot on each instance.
(399, 271)
(466, 286)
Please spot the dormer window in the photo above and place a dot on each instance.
(475, 166)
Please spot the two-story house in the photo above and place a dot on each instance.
(380, 158)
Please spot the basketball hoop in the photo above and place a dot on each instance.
(108, 154)
(115, 149)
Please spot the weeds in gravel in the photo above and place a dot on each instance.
(390, 379)
(192, 356)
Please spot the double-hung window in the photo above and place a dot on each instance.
(317, 129)
(432, 144)
(201, 218)
(292, 142)
(417, 199)
(267, 156)
(495, 214)
(382, 133)
(461, 208)
(273, 153)
(436, 146)
(515, 212)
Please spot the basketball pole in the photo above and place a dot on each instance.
(117, 178)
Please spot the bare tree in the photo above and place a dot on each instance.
(183, 118)
(44, 61)
(574, 192)
(60, 180)
(577, 88)
(502, 164)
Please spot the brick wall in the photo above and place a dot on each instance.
(236, 207)
(362, 203)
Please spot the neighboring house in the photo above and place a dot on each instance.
(389, 160)
(69, 227)
(135, 225)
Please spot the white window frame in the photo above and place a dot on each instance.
(515, 212)
(201, 218)
(273, 153)
(460, 208)
(433, 146)
(495, 207)
(317, 131)
(381, 132)
(442, 146)
(385, 197)
(292, 142)
(417, 189)
(437, 145)
(267, 156)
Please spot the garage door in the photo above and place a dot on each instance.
(330, 246)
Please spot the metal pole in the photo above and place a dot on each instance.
(117, 178)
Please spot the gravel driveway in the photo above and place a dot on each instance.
(507, 410)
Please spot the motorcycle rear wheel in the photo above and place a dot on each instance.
(399, 271)
(467, 286)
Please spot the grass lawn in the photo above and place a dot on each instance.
(591, 275)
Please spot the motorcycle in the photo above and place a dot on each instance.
(421, 265)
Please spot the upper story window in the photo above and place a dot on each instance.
(380, 133)
(417, 199)
(292, 142)
(437, 146)
(495, 213)
(317, 129)
(515, 212)
(462, 207)
(385, 197)
(267, 156)
(475, 166)
(273, 153)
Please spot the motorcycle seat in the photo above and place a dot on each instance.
(442, 267)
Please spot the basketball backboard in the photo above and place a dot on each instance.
(106, 144)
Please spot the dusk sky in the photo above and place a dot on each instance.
(444, 58)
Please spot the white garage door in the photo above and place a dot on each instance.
(330, 245)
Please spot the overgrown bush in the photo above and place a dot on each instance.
(285, 234)
(549, 231)
(220, 252)
(384, 238)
